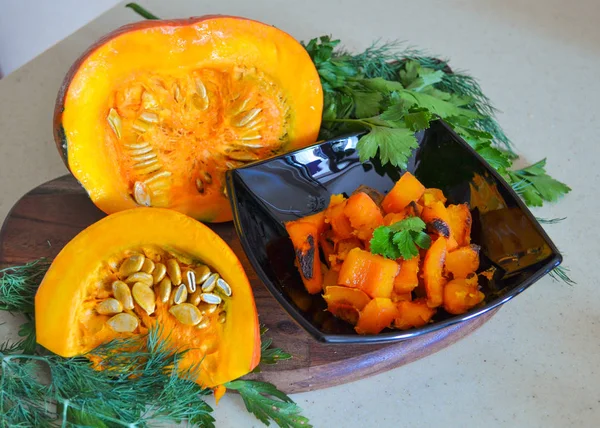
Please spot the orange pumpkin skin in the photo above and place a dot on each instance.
(68, 324)
(277, 75)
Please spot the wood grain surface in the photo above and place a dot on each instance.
(46, 218)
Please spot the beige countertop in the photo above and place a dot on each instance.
(537, 362)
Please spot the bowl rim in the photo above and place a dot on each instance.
(554, 260)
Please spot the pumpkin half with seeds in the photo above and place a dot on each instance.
(152, 267)
(156, 112)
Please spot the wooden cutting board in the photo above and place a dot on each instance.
(45, 219)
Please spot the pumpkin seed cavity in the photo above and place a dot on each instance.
(189, 290)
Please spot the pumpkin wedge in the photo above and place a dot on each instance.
(146, 267)
(156, 112)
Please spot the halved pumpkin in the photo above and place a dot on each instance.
(154, 113)
(110, 282)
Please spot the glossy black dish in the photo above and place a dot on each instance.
(266, 194)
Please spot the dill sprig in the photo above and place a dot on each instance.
(139, 383)
(561, 273)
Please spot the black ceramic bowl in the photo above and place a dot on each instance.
(266, 194)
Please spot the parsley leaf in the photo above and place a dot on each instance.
(535, 186)
(400, 239)
(394, 145)
(418, 119)
(367, 104)
(268, 404)
(269, 355)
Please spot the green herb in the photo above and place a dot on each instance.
(141, 11)
(550, 220)
(535, 186)
(270, 355)
(140, 383)
(267, 403)
(560, 273)
(400, 239)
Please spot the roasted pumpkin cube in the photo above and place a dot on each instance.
(462, 261)
(364, 215)
(304, 238)
(407, 278)
(371, 273)
(432, 272)
(336, 295)
(378, 314)
(460, 295)
(405, 191)
(413, 314)
(459, 217)
(339, 221)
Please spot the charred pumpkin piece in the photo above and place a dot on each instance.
(326, 245)
(407, 278)
(405, 191)
(344, 311)
(437, 219)
(460, 295)
(345, 295)
(371, 273)
(156, 112)
(374, 194)
(459, 217)
(432, 272)
(364, 215)
(305, 238)
(91, 268)
(413, 314)
(462, 262)
(340, 223)
(378, 314)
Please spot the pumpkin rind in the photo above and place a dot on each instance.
(213, 43)
(78, 268)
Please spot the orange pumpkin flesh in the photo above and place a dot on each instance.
(156, 112)
(67, 318)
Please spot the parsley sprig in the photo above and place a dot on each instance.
(393, 92)
(401, 239)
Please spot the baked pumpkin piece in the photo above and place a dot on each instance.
(156, 112)
(150, 267)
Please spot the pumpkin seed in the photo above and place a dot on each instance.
(239, 106)
(200, 88)
(143, 277)
(123, 323)
(114, 120)
(202, 274)
(253, 125)
(164, 290)
(206, 308)
(144, 296)
(140, 151)
(159, 273)
(199, 185)
(206, 177)
(224, 287)
(141, 195)
(251, 136)
(180, 295)
(149, 169)
(245, 117)
(145, 163)
(145, 157)
(203, 324)
(210, 283)
(148, 116)
(134, 146)
(109, 307)
(177, 93)
(222, 317)
(123, 294)
(242, 155)
(194, 298)
(174, 271)
(158, 176)
(186, 314)
(190, 280)
(140, 126)
(213, 299)
(131, 265)
(148, 266)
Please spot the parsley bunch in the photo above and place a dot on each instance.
(401, 239)
(392, 93)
